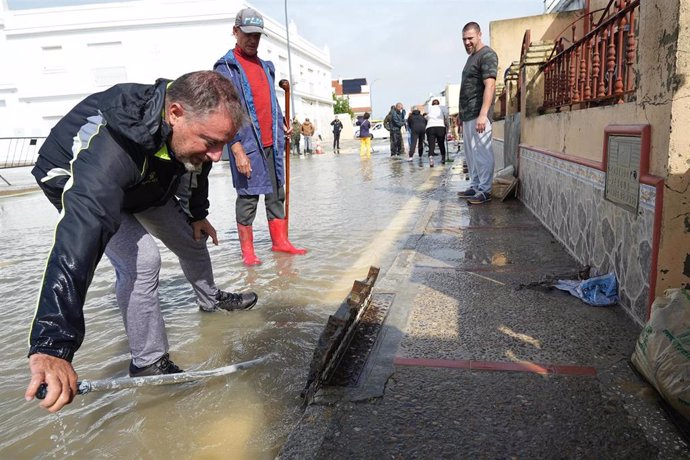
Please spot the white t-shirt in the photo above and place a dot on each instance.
(436, 117)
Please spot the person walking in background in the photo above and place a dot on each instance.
(397, 122)
(308, 133)
(364, 136)
(476, 102)
(337, 128)
(111, 169)
(408, 130)
(387, 125)
(436, 128)
(257, 159)
(295, 136)
(417, 125)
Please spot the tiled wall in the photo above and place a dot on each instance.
(568, 198)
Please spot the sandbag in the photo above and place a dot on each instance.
(662, 352)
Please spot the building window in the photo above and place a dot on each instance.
(109, 76)
(105, 54)
(52, 118)
(107, 63)
(53, 59)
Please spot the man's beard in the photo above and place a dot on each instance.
(190, 167)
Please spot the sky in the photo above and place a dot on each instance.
(409, 49)
(406, 49)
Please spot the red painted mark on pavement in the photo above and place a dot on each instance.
(523, 366)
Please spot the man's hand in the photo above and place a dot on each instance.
(482, 120)
(244, 166)
(203, 226)
(288, 129)
(60, 377)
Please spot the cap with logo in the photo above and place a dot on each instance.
(249, 21)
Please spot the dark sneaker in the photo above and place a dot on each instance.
(230, 301)
(160, 367)
(480, 198)
(469, 193)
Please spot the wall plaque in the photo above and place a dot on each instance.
(623, 171)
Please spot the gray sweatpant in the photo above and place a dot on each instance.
(479, 155)
(137, 262)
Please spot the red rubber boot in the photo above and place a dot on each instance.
(247, 244)
(278, 230)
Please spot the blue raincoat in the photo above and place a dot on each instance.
(250, 135)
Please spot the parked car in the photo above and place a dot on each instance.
(377, 131)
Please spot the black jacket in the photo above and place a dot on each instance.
(337, 126)
(108, 155)
(416, 122)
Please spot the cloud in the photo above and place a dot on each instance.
(410, 48)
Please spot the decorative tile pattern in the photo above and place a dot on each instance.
(568, 198)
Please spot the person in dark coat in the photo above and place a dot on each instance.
(417, 125)
(337, 128)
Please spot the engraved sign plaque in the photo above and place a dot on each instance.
(623, 171)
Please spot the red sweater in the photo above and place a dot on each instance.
(261, 93)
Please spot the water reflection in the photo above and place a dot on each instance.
(365, 169)
(350, 214)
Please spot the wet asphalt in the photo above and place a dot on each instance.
(479, 358)
(476, 358)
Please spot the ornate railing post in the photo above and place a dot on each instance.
(599, 67)
(632, 50)
(610, 59)
(618, 87)
(602, 79)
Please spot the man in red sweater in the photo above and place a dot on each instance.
(257, 158)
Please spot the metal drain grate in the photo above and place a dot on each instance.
(355, 357)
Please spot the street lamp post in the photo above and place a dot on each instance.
(371, 98)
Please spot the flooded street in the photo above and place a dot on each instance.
(349, 213)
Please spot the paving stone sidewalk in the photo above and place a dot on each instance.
(477, 360)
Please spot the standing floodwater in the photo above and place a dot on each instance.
(349, 213)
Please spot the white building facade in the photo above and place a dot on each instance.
(54, 57)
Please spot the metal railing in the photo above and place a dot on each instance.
(19, 151)
(597, 69)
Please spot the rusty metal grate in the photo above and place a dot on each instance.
(355, 357)
(337, 335)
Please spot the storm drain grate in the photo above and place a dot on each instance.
(355, 357)
(337, 335)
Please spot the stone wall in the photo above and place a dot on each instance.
(568, 198)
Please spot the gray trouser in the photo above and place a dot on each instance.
(135, 256)
(479, 155)
(307, 143)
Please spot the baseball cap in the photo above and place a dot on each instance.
(249, 21)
